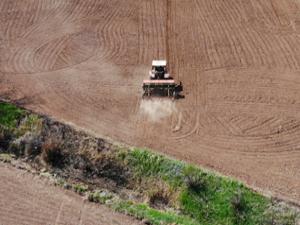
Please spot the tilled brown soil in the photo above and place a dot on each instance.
(83, 61)
(28, 199)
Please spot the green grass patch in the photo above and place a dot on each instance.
(146, 164)
(156, 217)
(10, 115)
(204, 196)
(80, 188)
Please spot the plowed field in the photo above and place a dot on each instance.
(26, 199)
(83, 62)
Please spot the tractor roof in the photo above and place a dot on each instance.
(159, 63)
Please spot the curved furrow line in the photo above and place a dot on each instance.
(43, 16)
(273, 126)
(152, 31)
(261, 139)
(28, 15)
(189, 133)
(61, 7)
(263, 50)
(40, 55)
(256, 138)
(238, 29)
(265, 123)
(201, 42)
(285, 59)
(214, 35)
(107, 33)
(258, 144)
(244, 150)
(71, 15)
(50, 53)
(113, 41)
(127, 37)
(91, 8)
(228, 150)
(292, 52)
(80, 9)
(231, 28)
(214, 58)
(19, 61)
(237, 16)
(113, 36)
(268, 55)
(285, 52)
(14, 23)
(205, 41)
(226, 26)
(9, 10)
(144, 33)
(255, 47)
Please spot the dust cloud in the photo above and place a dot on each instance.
(157, 109)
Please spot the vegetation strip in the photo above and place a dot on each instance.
(134, 181)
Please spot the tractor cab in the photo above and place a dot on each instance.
(159, 70)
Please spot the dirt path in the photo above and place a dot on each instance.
(83, 62)
(27, 199)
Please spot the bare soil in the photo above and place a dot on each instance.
(28, 199)
(83, 62)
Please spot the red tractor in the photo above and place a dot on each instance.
(160, 83)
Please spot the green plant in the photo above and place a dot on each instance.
(145, 163)
(239, 207)
(10, 115)
(80, 189)
(155, 217)
(100, 196)
(194, 180)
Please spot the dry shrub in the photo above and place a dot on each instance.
(53, 153)
(5, 138)
(160, 194)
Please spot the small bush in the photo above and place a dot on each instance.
(80, 189)
(5, 137)
(159, 200)
(194, 180)
(100, 197)
(28, 145)
(33, 146)
(53, 154)
(31, 123)
(108, 166)
(239, 206)
(160, 193)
